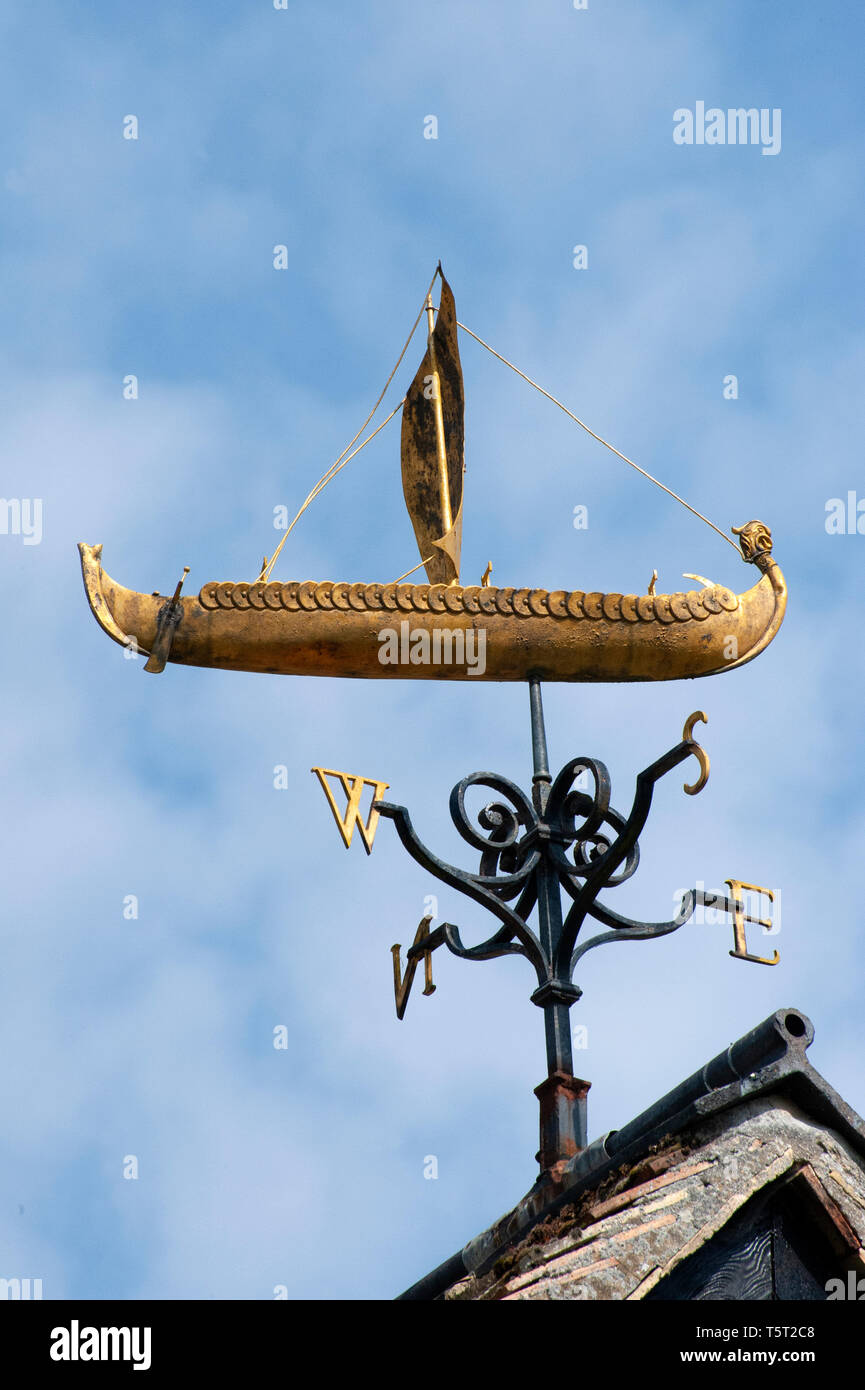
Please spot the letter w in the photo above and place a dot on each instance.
(353, 788)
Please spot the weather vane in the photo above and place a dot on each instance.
(560, 842)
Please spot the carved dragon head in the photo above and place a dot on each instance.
(755, 541)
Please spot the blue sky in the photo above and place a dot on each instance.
(304, 127)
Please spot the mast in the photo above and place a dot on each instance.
(441, 452)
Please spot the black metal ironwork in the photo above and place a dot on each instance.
(532, 849)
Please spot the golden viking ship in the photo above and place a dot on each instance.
(327, 628)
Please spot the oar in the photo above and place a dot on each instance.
(166, 625)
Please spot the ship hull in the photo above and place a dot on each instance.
(432, 632)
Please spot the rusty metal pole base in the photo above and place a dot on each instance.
(564, 1131)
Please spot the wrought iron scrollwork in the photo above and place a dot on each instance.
(562, 838)
(561, 844)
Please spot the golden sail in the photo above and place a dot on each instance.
(442, 630)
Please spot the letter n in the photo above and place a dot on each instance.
(419, 947)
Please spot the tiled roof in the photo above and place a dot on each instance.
(620, 1245)
(625, 1211)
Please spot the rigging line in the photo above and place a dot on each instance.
(413, 568)
(341, 460)
(599, 438)
(263, 577)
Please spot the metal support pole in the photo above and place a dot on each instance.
(562, 1096)
(564, 1119)
(541, 781)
